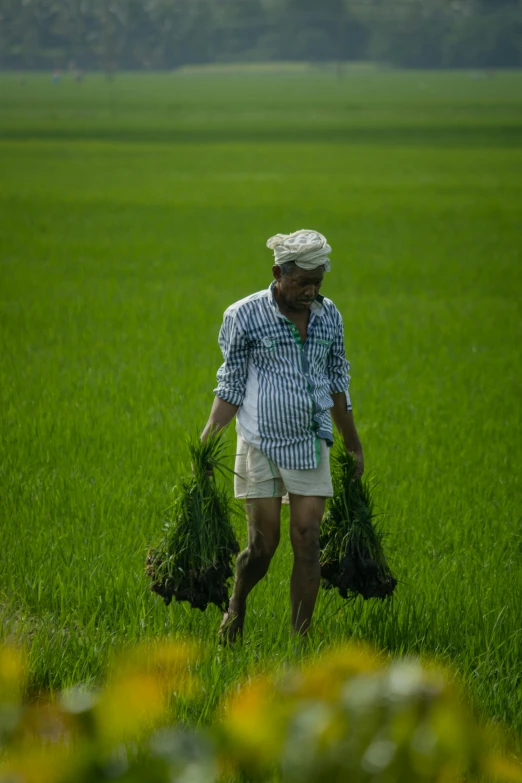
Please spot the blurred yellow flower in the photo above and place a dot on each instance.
(168, 662)
(502, 770)
(144, 677)
(12, 668)
(324, 678)
(128, 706)
(254, 727)
(35, 764)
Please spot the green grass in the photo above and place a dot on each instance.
(129, 223)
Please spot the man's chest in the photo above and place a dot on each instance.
(300, 326)
(280, 341)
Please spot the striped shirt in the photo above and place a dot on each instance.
(283, 387)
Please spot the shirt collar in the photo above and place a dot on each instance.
(316, 307)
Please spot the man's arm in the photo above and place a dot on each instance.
(232, 376)
(337, 368)
(221, 414)
(343, 420)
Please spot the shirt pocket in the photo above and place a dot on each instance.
(268, 344)
(273, 350)
(320, 348)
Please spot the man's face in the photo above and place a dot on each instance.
(299, 288)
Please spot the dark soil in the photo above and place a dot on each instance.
(358, 576)
(200, 587)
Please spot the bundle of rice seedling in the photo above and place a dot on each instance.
(193, 560)
(352, 556)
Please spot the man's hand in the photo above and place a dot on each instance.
(209, 471)
(359, 459)
(221, 414)
(343, 420)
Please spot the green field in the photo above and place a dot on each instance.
(132, 214)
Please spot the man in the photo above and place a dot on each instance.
(284, 374)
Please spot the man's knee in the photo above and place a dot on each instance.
(305, 542)
(264, 530)
(262, 548)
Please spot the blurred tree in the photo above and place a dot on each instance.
(140, 38)
(487, 40)
(167, 33)
(69, 24)
(108, 36)
(177, 29)
(409, 33)
(326, 32)
(240, 23)
(23, 23)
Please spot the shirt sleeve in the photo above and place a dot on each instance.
(232, 375)
(337, 367)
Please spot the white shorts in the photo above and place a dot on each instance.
(258, 477)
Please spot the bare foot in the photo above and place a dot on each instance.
(231, 625)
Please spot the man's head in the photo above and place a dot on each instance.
(297, 287)
(301, 259)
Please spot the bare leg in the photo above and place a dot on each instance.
(263, 515)
(305, 520)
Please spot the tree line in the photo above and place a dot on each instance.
(165, 34)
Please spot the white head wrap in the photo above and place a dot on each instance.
(308, 249)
